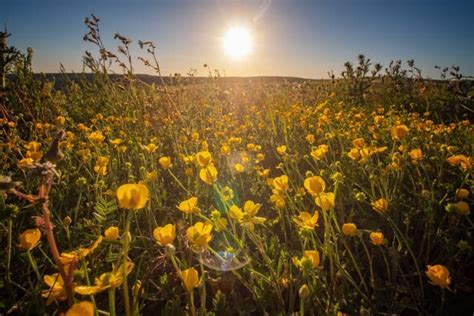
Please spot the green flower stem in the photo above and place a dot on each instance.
(178, 181)
(126, 244)
(33, 264)
(111, 293)
(203, 287)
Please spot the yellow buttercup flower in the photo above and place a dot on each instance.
(306, 221)
(280, 183)
(239, 168)
(132, 196)
(325, 201)
(25, 163)
(96, 137)
(101, 165)
(247, 217)
(354, 153)
(310, 259)
(399, 131)
(165, 162)
(377, 238)
(349, 229)
(111, 233)
(278, 200)
(314, 185)
(83, 308)
(281, 150)
(208, 174)
(189, 206)
(463, 161)
(30, 238)
(313, 256)
(203, 158)
(416, 154)
(381, 205)
(438, 275)
(319, 152)
(165, 235)
(358, 142)
(56, 291)
(462, 194)
(151, 147)
(199, 235)
(106, 280)
(462, 208)
(190, 279)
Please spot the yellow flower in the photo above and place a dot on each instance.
(115, 142)
(306, 221)
(83, 308)
(462, 194)
(320, 152)
(381, 205)
(399, 131)
(313, 256)
(56, 289)
(310, 138)
(416, 154)
(358, 142)
(247, 217)
(208, 174)
(151, 176)
(190, 279)
(239, 168)
(225, 150)
(132, 196)
(462, 208)
(199, 235)
(349, 229)
(25, 163)
(165, 162)
(96, 137)
(33, 146)
(111, 233)
(310, 259)
(151, 147)
(203, 158)
(67, 257)
(278, 200)
(280, 184)
(354, 153)
(281, 150)
(189, 206)
(377, 238)
(314, 185)
(227, 193)
(60, 120)
(325, 201)
(165, 235)
(101, 165)
(461, 160)
(106, 280)
(438, 275)
(30, 238)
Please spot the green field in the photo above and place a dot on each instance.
(218, 196)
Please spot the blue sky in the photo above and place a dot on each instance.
(291, 38)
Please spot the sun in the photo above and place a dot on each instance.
(237, 42)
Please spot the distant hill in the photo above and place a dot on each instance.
(60, 78)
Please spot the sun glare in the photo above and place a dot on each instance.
(237, 42)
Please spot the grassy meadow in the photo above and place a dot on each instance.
(209, 196)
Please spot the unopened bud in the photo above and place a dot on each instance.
(304, 291)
